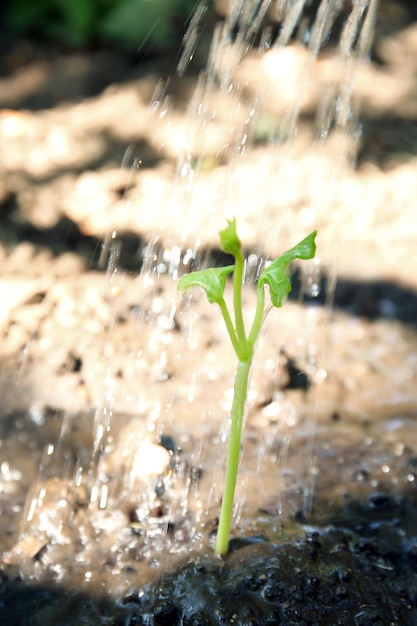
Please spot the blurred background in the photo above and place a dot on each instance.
(90, 23)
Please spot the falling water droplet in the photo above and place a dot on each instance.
(310, 281)
(104, 494)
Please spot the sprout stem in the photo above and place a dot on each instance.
(237, 297)
(238, 410)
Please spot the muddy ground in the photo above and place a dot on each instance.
(102, 364)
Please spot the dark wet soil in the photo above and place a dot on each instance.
(365, 575)
(328, 578)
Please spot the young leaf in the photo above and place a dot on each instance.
(229, 240)
(212, 280)
(275, 274)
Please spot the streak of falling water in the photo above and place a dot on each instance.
(292, 18)
(190, 39)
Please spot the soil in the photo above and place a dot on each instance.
(116, 391)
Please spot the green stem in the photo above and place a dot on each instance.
(230, 328)
(238, 410)
(258, 319)
(237, 298)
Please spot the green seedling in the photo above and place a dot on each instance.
(213, 281)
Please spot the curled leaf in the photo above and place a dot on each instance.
(212, 280)
(275, 275)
